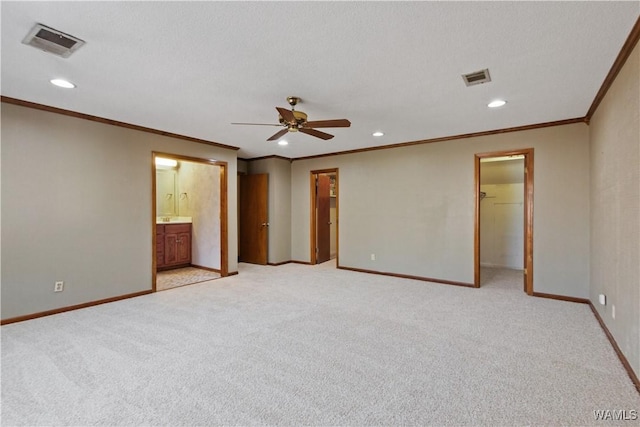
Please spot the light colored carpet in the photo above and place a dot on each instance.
(502, 278)
(313, 345)
(177, 277)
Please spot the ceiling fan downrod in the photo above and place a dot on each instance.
(293, 101)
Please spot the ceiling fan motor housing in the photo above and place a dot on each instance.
(301, 118)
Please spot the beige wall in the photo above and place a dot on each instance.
(615, 208)
(199, 197)
(413, 207)
(77, 206)
(279, 171)
(243, 166)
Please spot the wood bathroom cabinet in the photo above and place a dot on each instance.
(173, 246)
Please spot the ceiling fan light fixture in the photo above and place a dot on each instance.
(283, 142)
(497, 103)
(296, 121)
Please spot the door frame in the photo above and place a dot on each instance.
(312, 192)
(224, 238)
(528, 214)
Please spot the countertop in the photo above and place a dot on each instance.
(174, 220)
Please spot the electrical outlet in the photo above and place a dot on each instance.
(58, 287)
(613, 311)
(373, 257)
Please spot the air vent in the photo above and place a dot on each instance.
(52, 41)
(477, 77)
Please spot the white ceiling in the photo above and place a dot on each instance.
(192, 68)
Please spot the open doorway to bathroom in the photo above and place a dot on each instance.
(189, 220)
(504, 218)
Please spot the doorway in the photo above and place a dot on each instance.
(324, 215)
(189, 232)
(505, 193)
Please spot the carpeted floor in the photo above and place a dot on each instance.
(313, 345)
(501, 278)
(177, 277)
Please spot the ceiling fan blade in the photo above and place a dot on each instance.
(278, 135)
(256, 124)
(316, 133)
(337, 123)
(287, 115)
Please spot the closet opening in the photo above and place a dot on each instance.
(504, 217)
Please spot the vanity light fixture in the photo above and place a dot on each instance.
(62, 83)
(161, 161)
(283, 142)
(378, 133)
(497, 103)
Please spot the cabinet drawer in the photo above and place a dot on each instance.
(159, 229)
(177, 228)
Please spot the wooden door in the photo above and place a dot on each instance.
(254, 222)
(323, 219)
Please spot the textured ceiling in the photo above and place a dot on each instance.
(192, 68)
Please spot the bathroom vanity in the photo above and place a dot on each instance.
(173, 245)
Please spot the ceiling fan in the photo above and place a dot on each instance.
(296, 121)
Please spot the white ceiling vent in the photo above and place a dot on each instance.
(477, 77)
(52, 41)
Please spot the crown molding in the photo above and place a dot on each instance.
(89, 117)
(624, 54)
(450, 138)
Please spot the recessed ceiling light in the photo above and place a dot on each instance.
(496, 103)
(378, 133)
(62, 83)
(283, 142)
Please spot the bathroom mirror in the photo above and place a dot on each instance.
(166, 192)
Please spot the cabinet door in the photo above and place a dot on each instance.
(184, 248)
(159, 246)
(170, 248)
